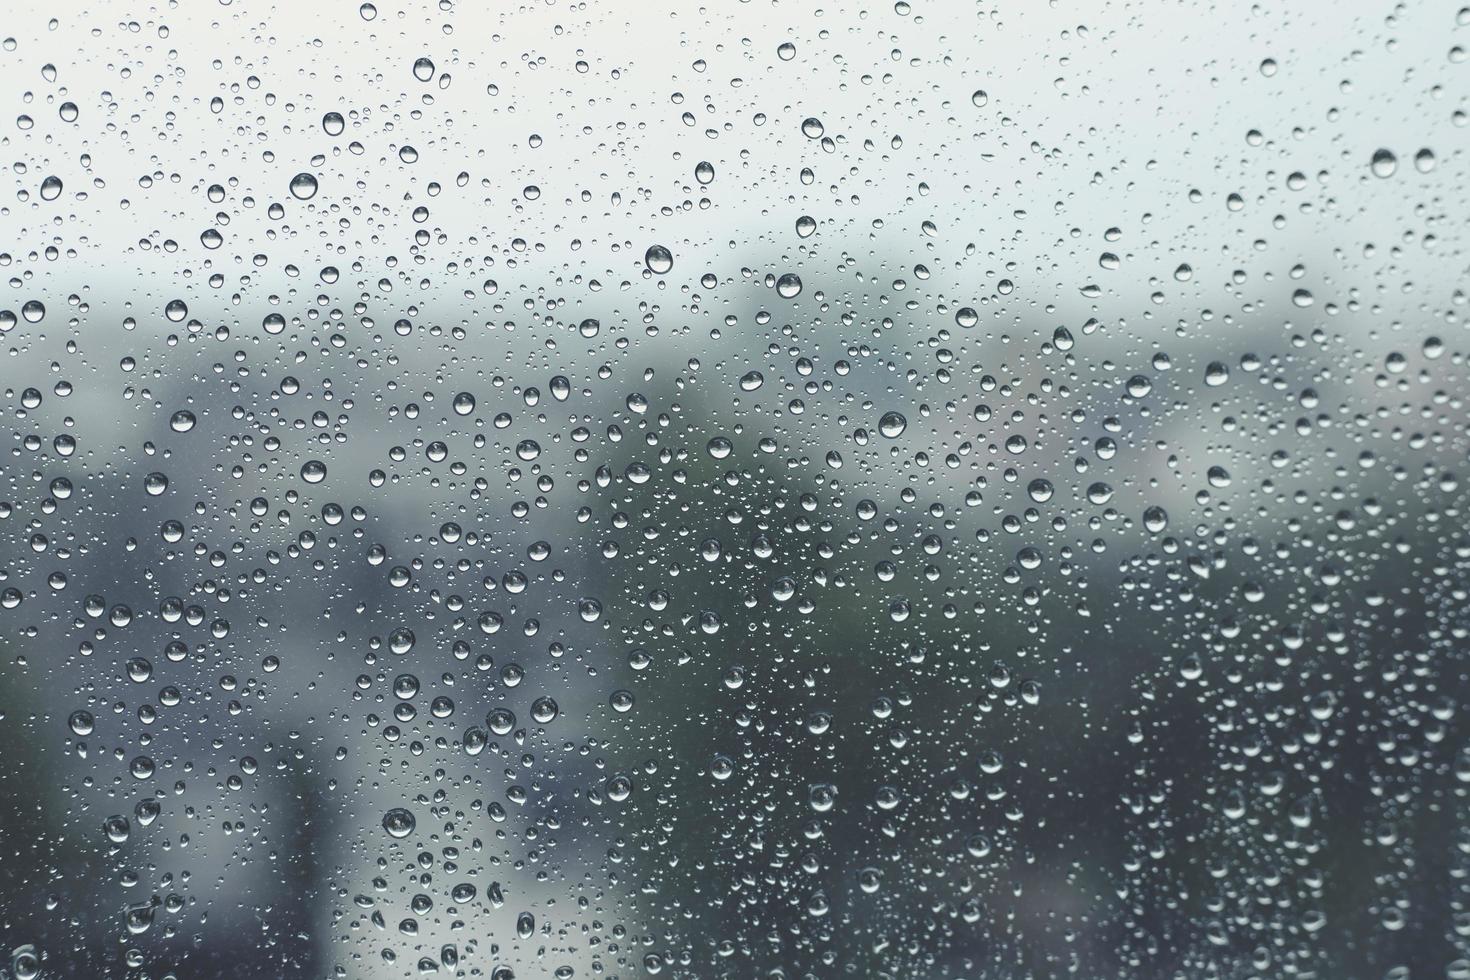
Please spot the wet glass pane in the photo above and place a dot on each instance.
(600, 490)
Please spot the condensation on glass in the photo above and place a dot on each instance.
(595, 490)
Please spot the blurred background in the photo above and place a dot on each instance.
(928, 490)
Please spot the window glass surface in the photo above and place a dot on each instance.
(932, 489)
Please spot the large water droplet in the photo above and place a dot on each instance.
(398, 822)
(303, 186)
(1384, 163)
(658, 259)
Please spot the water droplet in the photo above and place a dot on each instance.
(117, 829)
(658, 259)
(25, 962)
(303, 186)
(399, 823)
